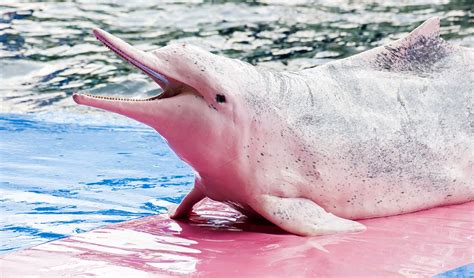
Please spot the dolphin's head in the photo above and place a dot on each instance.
(196, 113)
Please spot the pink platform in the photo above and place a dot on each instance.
(223, 243)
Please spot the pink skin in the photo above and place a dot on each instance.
(179, 112)
(187, 112)
(202, 114)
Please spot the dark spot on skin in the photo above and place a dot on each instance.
(220, 98)
(261, 154)
(418, 56)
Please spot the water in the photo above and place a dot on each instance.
(61, 179)
(67, 168)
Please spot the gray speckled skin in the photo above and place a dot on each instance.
(381, 133)
(385, 132)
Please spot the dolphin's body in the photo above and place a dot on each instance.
(384, 132)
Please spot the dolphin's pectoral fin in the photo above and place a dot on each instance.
(186, 206)
(302, 216)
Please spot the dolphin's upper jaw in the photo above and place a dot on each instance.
(139, 59)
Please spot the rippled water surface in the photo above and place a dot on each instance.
(65, 169)
(61, 179)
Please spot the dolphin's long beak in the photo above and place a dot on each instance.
(141, 59)
(175, 68)
(148, 63)
(133, 108)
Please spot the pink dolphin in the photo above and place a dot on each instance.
(385, 132)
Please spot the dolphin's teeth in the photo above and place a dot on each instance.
(116, 98)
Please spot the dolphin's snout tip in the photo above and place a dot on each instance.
(97, 32)
(94, 32)
(77, 98)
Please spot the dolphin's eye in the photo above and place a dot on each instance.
(220, 98)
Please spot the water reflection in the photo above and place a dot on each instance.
(218, 241)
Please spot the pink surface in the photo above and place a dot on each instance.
(219, 242)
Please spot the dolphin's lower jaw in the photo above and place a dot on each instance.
(77, 96)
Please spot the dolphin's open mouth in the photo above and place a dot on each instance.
(139, 59)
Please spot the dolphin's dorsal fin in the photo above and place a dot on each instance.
(429, 28)
(417, 52)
